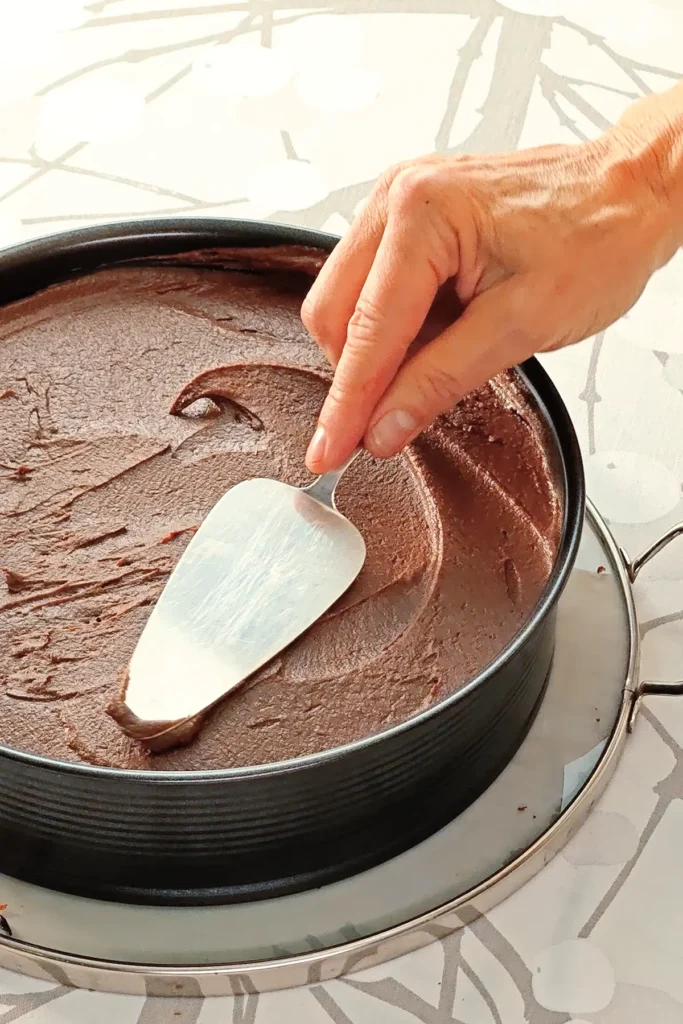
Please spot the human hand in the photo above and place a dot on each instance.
(542, 247)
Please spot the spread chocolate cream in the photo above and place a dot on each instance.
(131, 399)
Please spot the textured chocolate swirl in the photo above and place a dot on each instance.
(130, 401)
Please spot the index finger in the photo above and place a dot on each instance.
(332, 298)
(392, 306)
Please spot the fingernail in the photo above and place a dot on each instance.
(391, 433)
(316, 449)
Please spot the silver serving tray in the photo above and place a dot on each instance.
(462, 872)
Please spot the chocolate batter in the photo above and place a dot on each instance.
(130, 401)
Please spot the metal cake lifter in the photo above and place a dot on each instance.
(268, 560)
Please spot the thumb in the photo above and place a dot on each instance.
(495, 332)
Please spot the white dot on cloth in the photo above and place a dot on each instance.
(286, 185)
(629, 487)
(341, 90)
(249, 71)
(26, 49)
(542, 8)
(91, 113)
(639, 1004)
(573, 977)
(606, 838)
(41, 16)
(324, 41)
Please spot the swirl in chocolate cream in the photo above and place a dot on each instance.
(130, 400)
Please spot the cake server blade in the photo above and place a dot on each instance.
(266, 563)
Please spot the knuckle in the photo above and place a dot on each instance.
(365, 323)
(337, 396)
(354, 384)
(441, 386)
(388, 177)
(315, 320)
(412, 186)
(345, 394)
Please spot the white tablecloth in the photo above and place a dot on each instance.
(112, 109)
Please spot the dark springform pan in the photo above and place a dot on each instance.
(252, 833)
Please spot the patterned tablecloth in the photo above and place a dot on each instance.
(287, 110)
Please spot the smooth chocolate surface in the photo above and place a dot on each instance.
(130, 400)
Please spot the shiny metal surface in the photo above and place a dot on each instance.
(662, 542)
(266, 563)
(337, 960)
(651, 688)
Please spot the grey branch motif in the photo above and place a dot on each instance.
(267, 26)
(288, 145)
(134, 57)
(520, 67)
(478, 984)
(329, 1005)
(244, 1009)
(506, 955)
(246, 26)
(471, 7)
(178, 12)
(38, 163)
(554, 85)
(668, 790)
(41, 171)
(467, 56)
(30, 1001)
(590, 395)
(633, 68)
(550, 96)
(158, 211)
(660, 620)
(183, 1010)
(628, 93)
(510, 88)
(395, 993)
(510, 91)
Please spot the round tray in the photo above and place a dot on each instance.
(443, 883)
(209, 837)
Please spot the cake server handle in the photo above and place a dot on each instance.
(323, 488)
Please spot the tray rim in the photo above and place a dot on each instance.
(335, 961)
